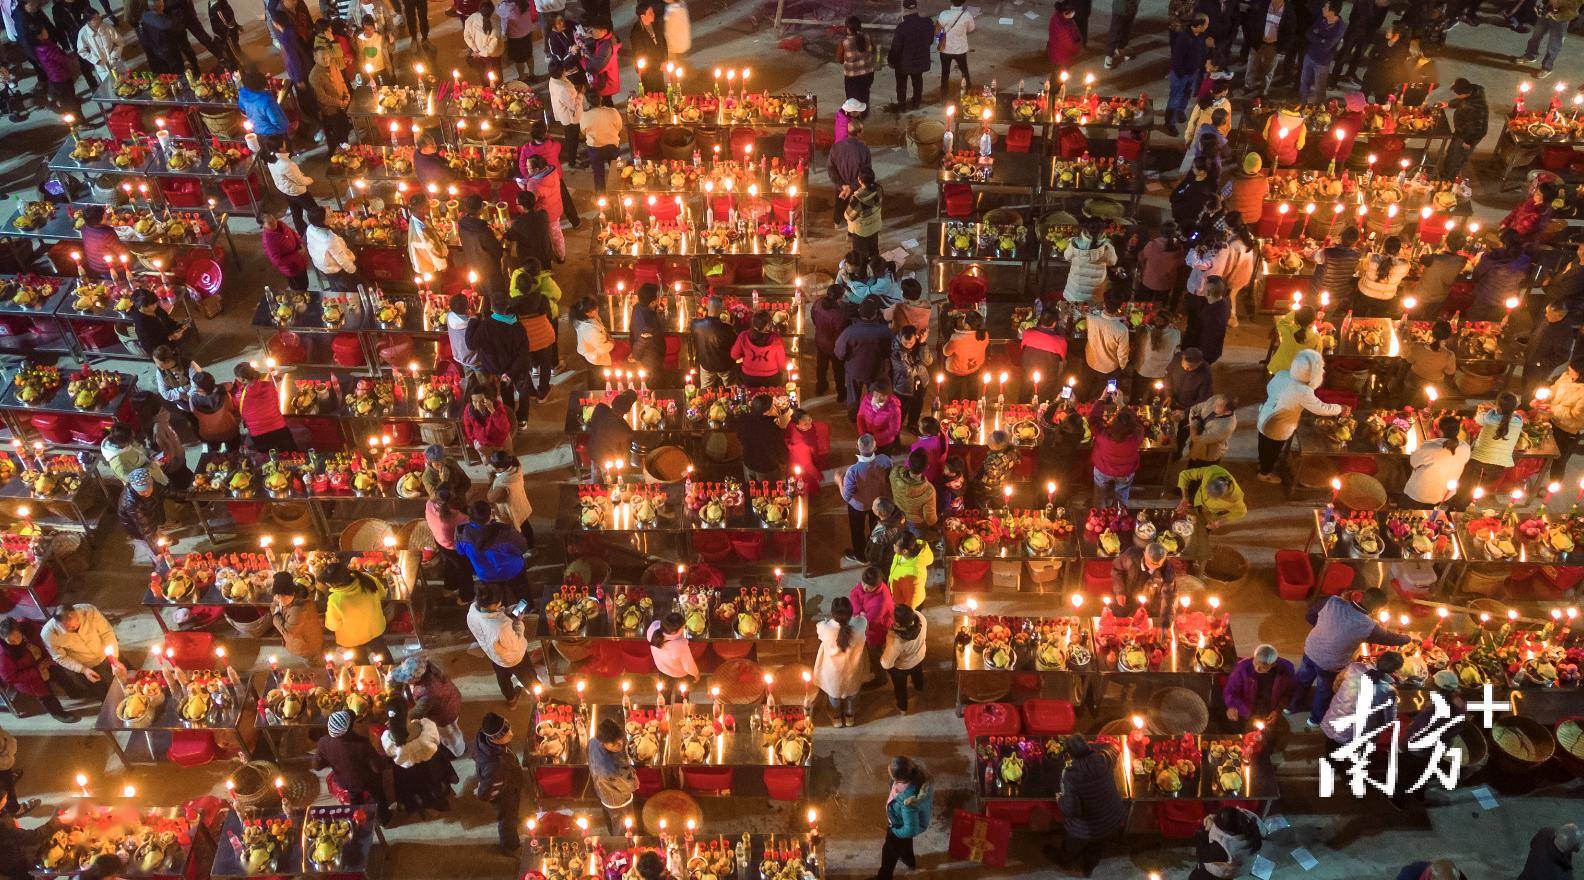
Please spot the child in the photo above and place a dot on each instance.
(371, 49)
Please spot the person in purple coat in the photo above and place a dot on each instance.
(831, 317)
(1259, 689)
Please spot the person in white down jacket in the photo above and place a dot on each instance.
(1287, 395)
(1090, 254)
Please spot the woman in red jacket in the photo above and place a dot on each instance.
(258, 400)
(284, 248)
(486, 426)
(1063, 44)
(25, 668)
(807, 447)
(760, 353)
(1117, 438)
(880, 415)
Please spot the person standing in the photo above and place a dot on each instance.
(1109, 349)
(99, 43)
(871, 599)
(82, 643)
(911, 359)
(1090, 255)
(678, 29)
(330, 90)
(1567, 414)
(713, 340)
(903, 655)
(1269, 28)
(910, 804)
(830, 317)
(1092, 810)
(1550, 346)
(952, 28)
(423, 774)
(1188, 52)
(1340, 626)
(1063, 41)
(909, 56)
(356, 767)
(669, 648)
(846, 160)
(602, 62)
(1470, 122)
(499, 778)
(329, 252)
(839, 667)
(862, 484)
(965, 353)
(1287, 395)
(1320, 46)
(355, 610)
(865, 350)
(863, 215)
(481, 248)
(765, 453)
(759, 352)
(1363, 27)
(611, 771)
(1437, 465)
(857, 55)
(283, 246)
(517, 23)
(501, 636)
(1555, 18)
(880, 416)
(647, 45)
(1123, 14)
(602, 133)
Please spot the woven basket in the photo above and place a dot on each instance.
(1570, 745)
(1521, 744)
(249, 621)
(366, 534)
(982, 687)
(741, 681)
(1316, 473)
(587, 570)
(1226, 569)
(667, 464)
(1174, 711)
(415, 535)
(254, 790)
(291, 516)
(67, 552)
(1476, 749)
(1361, 492)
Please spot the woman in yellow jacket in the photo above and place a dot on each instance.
(355, 610)
(1294, 333)
(910, 570)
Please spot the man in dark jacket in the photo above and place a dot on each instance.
(1320, 48)
(1145, 571)
(712, 345)
(1470, 122)
(830, 316)
(847, 158)
(1092, 809)
(1387, 64)
(646, 44)
(497, 339)
(1362, 28)
(1550, 345)
(481, 250)
(1555, 16)
(1565, 284)
(865, 350)
(353, 763)
(164, 40)
(1551, 854)
(142, 507)
(763, 441)
(909, 57)
(500, 777)
(1123, 13)
(1188, 380)
(1224, 22)
(1188, 52)
(1270, 28)
(528, 237)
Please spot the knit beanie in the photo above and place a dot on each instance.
(339, 722)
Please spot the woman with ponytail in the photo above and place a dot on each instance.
(1499, 430)
(668, 645)
(1379, 276)
(1434, 362)
(840, 669)
(1294, 333)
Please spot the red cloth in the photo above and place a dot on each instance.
(22, 670)
(1528, 219)
(878, 608)
(884, 422)
(550, 150)
(492, 431)
(1339, 150)
(259, 403)
(807, 449)
(284, 248)
(1063, 44)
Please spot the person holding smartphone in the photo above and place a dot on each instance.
(501, 636)
(153, 326)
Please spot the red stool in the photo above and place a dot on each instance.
(401, 623)
(991, 719)
(287, 348)
(605, 661)
(1556, 158)
(797, 147)
(341, 795)
(650, 781)
(52, 427)
(1294, 575)
(1048, 717)
(1016, 813)
(1129, 145)
(731, 650)
(672, 358)
(663, 210)
(1459, 297)
(346, 350)
(621, 349)
(957, 200)
(749, 546)
(190, 650)
(1018, 137)
(384, 264)
(1358, 464)
(646, 142)
(636, 658)
(1562, 577)
(95, 336)
(1338, 578)
(324, 433)
(240, 193)
(125, 121)
(178, 124)
(711, 781)
(967, 289)
(402, 433)
(747, 270)
(244, 513)
(784, 783)
(192, 748)
(554, 781)
(723, 203)
(1097, 576)
(741, 139)
(1179, 820)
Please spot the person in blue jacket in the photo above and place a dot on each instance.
(257, 102)
(908, 808)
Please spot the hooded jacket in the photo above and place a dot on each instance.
(910, 575)
(1215, 431)
(910, 367)
(1567, 404)
(1228, 508)
(908, 814)
(1285, 150)
(883, 422)
(1470, 116)
(914, 496)
(499, 634)
(498, 772)
(1292, 391)
(1238, 849)
(123, 460)
(1091, 807)
(910, 44)
(1088, 261)
(497, 342)
(713, 341)
(1355, 681)
(762, 354)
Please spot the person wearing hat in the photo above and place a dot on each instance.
(1287, 395)
(440, 470)
(354, 764)
(1092, 809)
(903, 655)
(355, 609)
(1212, 493)
(1246, 189)
(1145, 574)
(909, 56)
(296, 618)
(427, 686)
(499, 777)
(141, 509)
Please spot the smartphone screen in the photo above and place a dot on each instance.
(519, 609)
(1067, 392)
(1111, 387)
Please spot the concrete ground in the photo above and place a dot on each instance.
(1351, 839)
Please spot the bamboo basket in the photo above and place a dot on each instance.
(1522, 744)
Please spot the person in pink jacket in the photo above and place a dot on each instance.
(871, 599)
(540, 143)
(807, 446)
(933, 443)
(880, 414)
(285, 250)
(544, 181)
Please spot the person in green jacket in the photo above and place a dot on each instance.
(909, 805)
(914, 495)
(355, 610)
(1212, 493)
(909, 573)
(534, 277)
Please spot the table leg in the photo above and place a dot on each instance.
(549, 652)
(115, 742)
